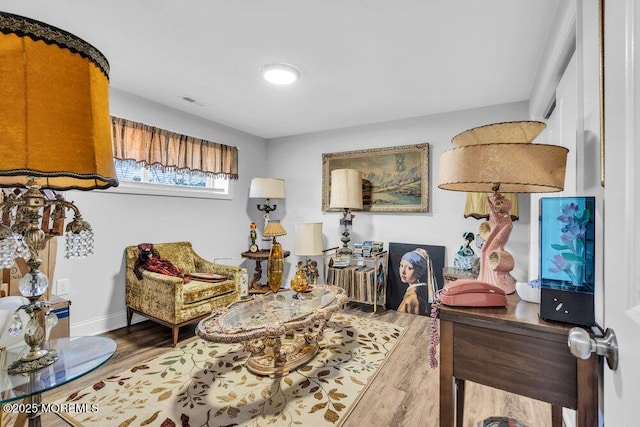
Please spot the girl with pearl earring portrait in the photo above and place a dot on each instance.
(416, 271)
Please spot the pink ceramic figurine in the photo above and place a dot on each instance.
(496, 263)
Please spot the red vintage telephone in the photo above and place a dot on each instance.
(472, 293)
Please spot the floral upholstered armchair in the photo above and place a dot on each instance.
(184, 294)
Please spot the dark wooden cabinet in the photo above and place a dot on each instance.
(512, 349)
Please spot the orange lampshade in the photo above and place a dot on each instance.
(54, 108)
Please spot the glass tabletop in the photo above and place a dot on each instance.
(77, 357)
(283, 306)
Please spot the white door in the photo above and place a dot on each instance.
(561, 130)
(622, 199)
(618, 299)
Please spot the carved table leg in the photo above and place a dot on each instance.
(275, 344)
(285, 352)
(255, 347)
(312, 337)
(255, 283)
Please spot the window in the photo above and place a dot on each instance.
(149, 160)
(137, 178)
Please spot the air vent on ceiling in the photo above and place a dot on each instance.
(192, 100)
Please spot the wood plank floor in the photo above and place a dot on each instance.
(404, 393)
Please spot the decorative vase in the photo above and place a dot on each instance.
(300, 282)
(275, 269)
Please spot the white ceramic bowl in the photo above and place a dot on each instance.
(528, 293)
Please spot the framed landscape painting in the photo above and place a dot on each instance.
(394, 179)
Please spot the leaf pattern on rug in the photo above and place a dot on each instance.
(207, 384)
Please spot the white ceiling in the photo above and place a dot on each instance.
(361, 61)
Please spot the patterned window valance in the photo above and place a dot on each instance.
(169, 150)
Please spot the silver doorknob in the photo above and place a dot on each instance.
(582, 345)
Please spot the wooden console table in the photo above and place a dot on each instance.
(512, 349)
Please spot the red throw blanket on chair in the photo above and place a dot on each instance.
(149, 259)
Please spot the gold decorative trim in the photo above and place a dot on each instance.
(54, 179)
(601, 76)
(36, 30)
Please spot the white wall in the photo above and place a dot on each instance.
(217, 228)
(298, 159)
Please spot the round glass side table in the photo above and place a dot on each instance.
(77, 357)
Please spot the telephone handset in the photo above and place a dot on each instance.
(462, 293)
(472, 293)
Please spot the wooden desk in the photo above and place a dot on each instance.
(513, 350)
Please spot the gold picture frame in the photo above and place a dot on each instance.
(395, 179)
(601, 85)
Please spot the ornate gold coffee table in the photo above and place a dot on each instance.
(280, 330)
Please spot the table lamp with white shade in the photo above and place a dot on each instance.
(346, 194)
(267, 189)
(308, 243)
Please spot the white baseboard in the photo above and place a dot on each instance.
(100, 325)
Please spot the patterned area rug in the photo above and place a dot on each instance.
(207, 384)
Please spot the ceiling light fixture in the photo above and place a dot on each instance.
(280, 74)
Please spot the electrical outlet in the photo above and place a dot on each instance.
(63, 287)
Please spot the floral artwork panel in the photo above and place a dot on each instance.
(567, 243)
